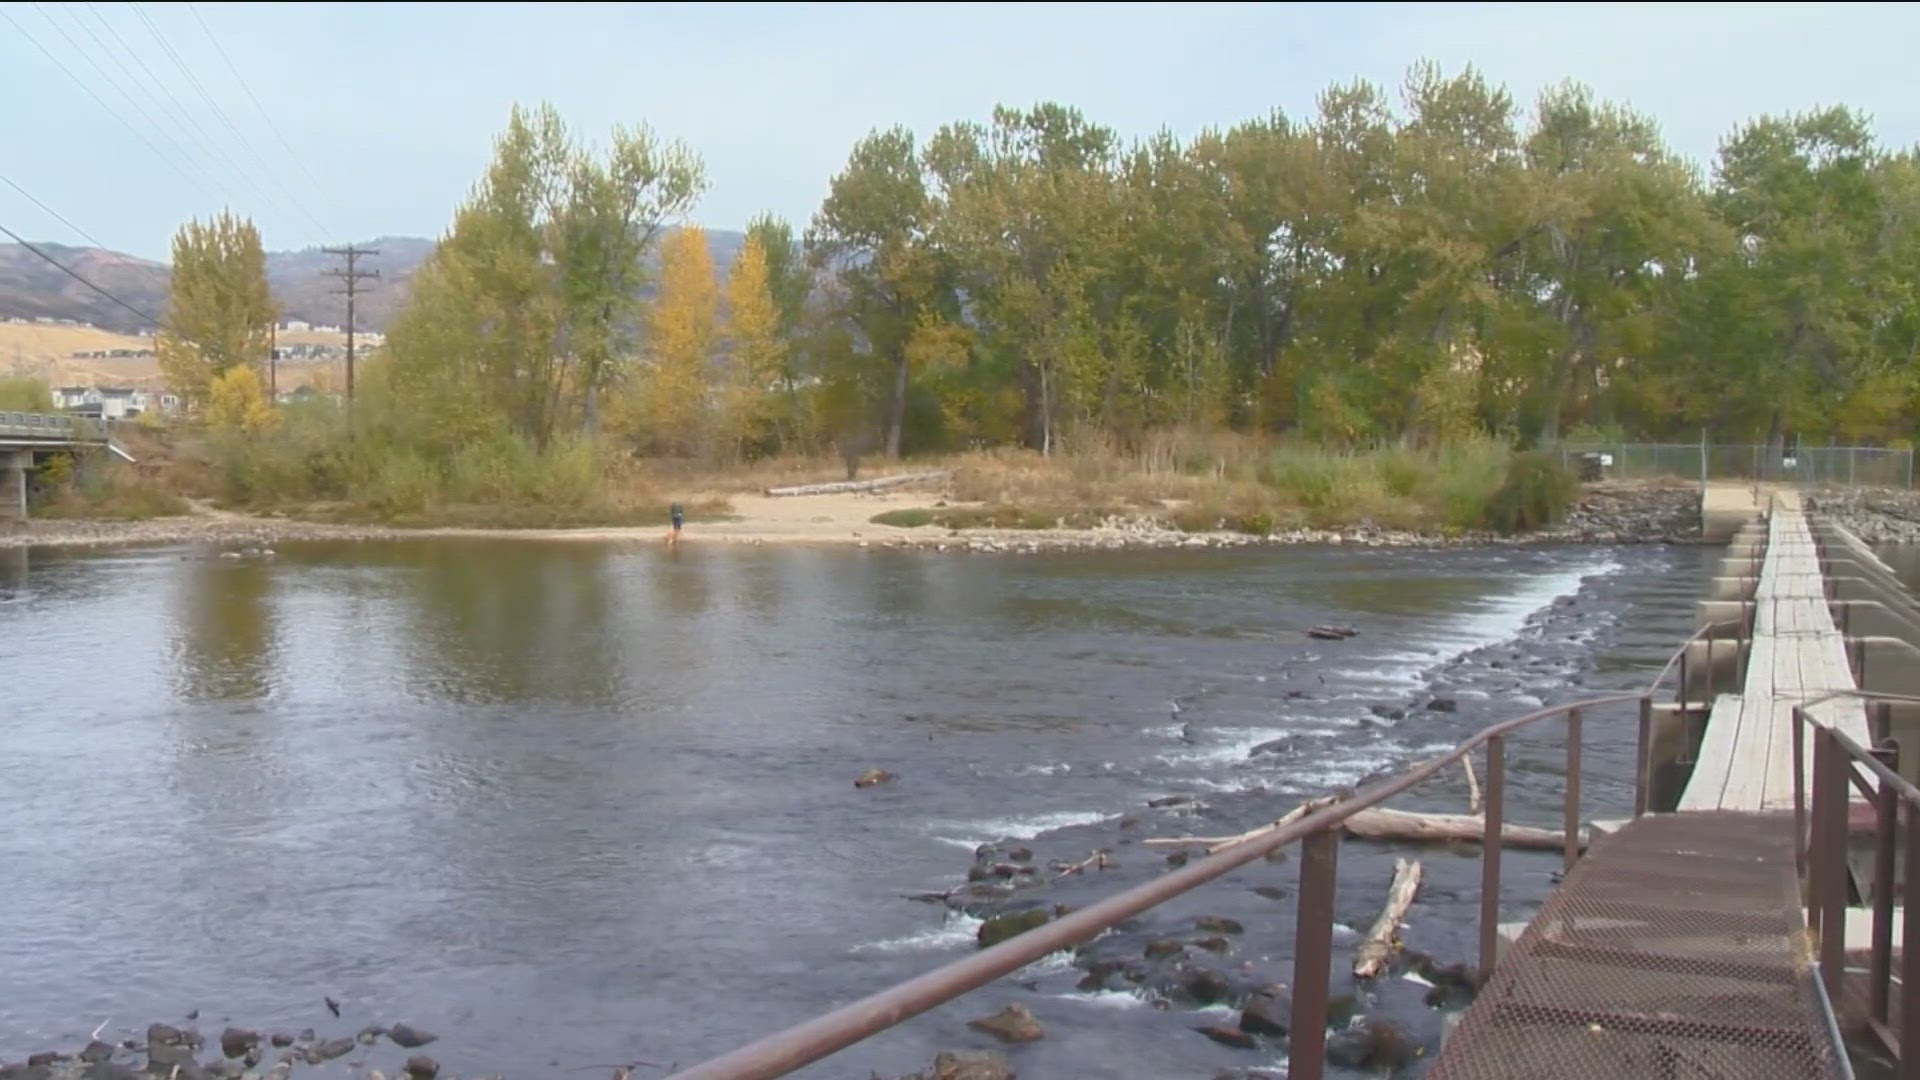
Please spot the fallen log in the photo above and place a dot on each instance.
(842, 486)
(1473, 786)
(1099, 860)
(1378, 823)
(1331, 633)
(1380, 941)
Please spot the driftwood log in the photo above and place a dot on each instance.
(1473, 786)
(1378, 823)
(1378, 946)
(842, 486)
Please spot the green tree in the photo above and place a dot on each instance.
(22, 393)
(220, 313)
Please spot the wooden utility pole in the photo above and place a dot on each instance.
(273, 362)
(351, 276)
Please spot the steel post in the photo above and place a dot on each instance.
(1312, 955)
(1490, 846)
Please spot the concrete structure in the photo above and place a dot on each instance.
(28, 438)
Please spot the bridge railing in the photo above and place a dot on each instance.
(1317, 831)
(53, 427)
(1823, 799)
(1866, 466)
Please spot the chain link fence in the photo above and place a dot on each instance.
(1863, 466)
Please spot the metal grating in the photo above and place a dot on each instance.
(1676, 948)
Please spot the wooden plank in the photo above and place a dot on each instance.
(1707, 784)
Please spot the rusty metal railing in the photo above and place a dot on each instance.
(1823, 832)
(1317, 832)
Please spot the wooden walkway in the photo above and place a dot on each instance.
(1796, 654)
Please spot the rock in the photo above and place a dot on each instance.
(1212, 944)
(1021, 854)
(1270, 892)
(1385, 712)
(96, 1051)
(42, 1060)
(329, 1050)
(1170, 800)
(1164, 948)
(1206, 986)
(108, 1070)
(1283, 745)
(282, 1038)
(1215, 924)
(307, 1035)
(972, 1065)
(221, 1068)
(1001, 927)
(422, 1067)
(1373, 1043)
(1332, 633)
(1228, 1035)
(164, 1035)
(873, 778)
(1268, 1012)
(235, 1042)
(1013, 1024)
(1177, 858)
(1443, 704)
(409, 1037)
(370, 1035)
(173, 1060)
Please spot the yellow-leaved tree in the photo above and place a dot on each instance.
(219, 311)
(681, 328)
(237, 403)
(758, 352)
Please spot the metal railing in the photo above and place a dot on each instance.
(1876, 466)
(1318, 833)
(53, 427)
(1823, 831)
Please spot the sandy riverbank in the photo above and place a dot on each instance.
(1606, 514)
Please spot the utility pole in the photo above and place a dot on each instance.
(351, 276)
(273, 362)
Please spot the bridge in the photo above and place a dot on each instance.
(1746, 921)
(27, 437)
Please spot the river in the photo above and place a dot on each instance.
(578, 804)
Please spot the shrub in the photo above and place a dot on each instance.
(1536, 493)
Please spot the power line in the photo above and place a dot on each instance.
(81, 278)
(165, 99)
(201, 89)
(110, 110)
(57, 215)
(261, 109)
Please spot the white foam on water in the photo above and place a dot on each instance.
(1112, 999)
(958, 930)
(971, 834)
(1051, 964)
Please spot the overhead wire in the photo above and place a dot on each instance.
(197, 182)
(81, 278)
(266, 116)
(200, 88)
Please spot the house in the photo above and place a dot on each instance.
(296, 326)
(105, 402)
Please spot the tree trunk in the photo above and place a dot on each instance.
(897, 408)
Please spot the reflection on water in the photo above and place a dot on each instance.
(602, 793)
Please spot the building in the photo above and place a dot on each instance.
(113, 402)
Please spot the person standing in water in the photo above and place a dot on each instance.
(679, 516)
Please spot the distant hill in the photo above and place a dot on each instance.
(30, 288)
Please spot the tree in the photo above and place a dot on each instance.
(681, 325)
(220, 313)
(237, 404)
(790, 284)
(872, 232)
(529, 304)
(758, 350)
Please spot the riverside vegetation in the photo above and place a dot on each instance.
(1354, 316)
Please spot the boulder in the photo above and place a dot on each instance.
(972, 1065)
(1374, 1044)
(1268, 1012)
(409, 1037)
(96, 1051)
(1216, 924)
(45, 1059)
(1013, 1024)
(330, 1049)
(174, 1061)
(1443, 704)
(108, 1070)
(873, 778)
(164, 1035)
(422, 1067)
(1164, 948)
(1001, 927)
(282, 1038)
(1228, 1035)
(370, 1035)
(235, 1042)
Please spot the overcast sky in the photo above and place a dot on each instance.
(391, 108)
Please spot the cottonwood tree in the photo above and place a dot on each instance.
(220, 313)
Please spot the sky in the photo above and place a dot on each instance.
(336, 123)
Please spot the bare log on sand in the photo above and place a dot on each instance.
(839, 487)
(1473, 786)
(1380, 941)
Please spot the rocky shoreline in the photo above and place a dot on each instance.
(1606, 514)
(1875, 515)
(183, 1053)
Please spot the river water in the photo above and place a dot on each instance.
(578, 804)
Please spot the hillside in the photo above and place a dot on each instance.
(32, 289)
